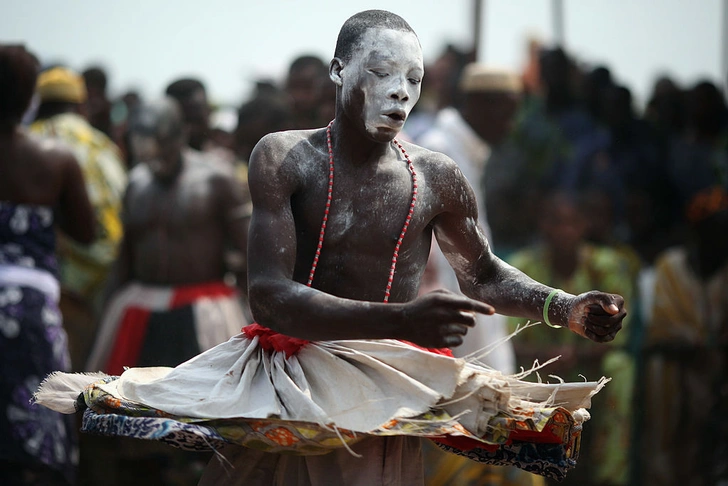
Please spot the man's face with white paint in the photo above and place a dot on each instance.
(157, 138)
(382, 80)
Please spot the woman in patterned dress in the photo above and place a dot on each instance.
(41, 183)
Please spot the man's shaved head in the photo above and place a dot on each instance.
(353, 29)
(160, 119)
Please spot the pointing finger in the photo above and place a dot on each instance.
(479, 307)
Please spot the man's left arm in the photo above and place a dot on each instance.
(483, 276)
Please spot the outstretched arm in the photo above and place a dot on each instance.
(483, 276)
(290, 307)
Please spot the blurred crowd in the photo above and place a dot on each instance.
(577, 187)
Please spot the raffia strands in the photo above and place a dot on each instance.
(59, 391)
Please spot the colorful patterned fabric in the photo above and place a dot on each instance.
(27, 237)
(32, 345)
(546, 444)
(445, 468)
(83, 268)
(32, 342)
(329, 395)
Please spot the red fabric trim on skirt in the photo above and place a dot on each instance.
(274, 341)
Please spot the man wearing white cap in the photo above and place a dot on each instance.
(485, 107)
(487, 104)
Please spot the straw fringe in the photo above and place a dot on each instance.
(60, 391)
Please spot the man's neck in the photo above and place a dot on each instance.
(171, 178)
(353, 146)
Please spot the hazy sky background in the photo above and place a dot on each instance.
(145, 44)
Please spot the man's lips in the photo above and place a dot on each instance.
(398, 116)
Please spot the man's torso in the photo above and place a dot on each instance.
(176, 231)
(370, 203)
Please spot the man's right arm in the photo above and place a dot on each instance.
(292, 308)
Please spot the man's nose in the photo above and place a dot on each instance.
(398, 90)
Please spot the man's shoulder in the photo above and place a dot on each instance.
(285, 140)
(286, 151)
(55, 148)
(430, 161)
(425, 154)
(217, 175)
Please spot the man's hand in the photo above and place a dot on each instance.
(440, 318)
(596, 315)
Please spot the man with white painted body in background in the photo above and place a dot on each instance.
(169, 297)
(377, 70)
(466, 131)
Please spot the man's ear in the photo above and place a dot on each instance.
(335, 68)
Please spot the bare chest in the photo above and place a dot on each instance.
(367, 208)
(187, 205)
(365, 221)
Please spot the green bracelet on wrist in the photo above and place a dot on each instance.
(546, 308)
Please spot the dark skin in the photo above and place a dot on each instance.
(41, 172)
(376, 89)
(181, 213)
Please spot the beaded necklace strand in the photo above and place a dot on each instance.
(407, 221)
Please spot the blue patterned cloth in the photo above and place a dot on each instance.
(27, 237)
(33, 344)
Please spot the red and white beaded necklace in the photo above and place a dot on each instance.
(407, 221)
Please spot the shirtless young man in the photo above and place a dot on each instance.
(377, 69)
(181, 216)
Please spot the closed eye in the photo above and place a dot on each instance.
(379, 73)
(415, 81)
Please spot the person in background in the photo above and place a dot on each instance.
(123, 111)
(304, 85)
(665, 110)
(564, 259)
(83, 269)
(191, 94)
(223, 121)
(685, 429)
(479, 119)
(181, 213)
(168, 298)
(700, 156)
(98, 106)
(42, 186)
(440, 89)
(265, 112)
(466, 132)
